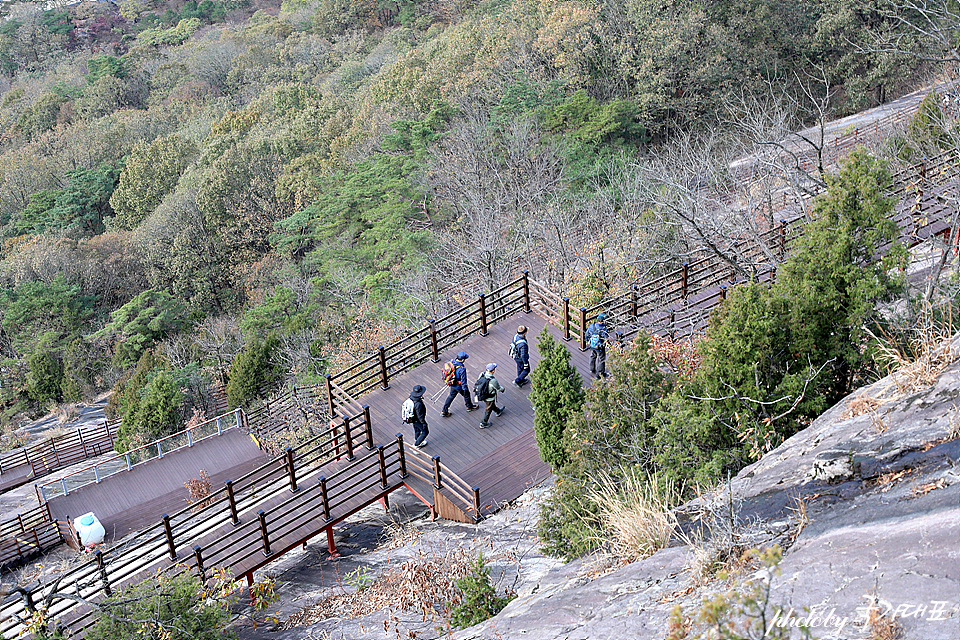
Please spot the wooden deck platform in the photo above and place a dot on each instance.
(138, 498)
(502, 460)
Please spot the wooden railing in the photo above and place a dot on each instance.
(174, 537)
(127, 461)
(426, 344)
(30, 533)
(62, 450)
(432, 471)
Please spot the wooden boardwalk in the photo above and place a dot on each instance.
(502, 460)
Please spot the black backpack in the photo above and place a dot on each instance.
(481, 387)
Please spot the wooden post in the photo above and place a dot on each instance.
(106, 425)
(566, 319)
(673, 319)
(383, 467)
(103, 573)
(232, 499)
(291, 470)
(368, 426)
(403, 456)
(325, 498)
(483, 314)
(169, 531)
(349, 438)
(683, 279)
(331, 547)
(433, 340)
(476, 503)
(263, 532)
(82, 445)
(723, 292)
(53, 443)
(329, 380)
(526, 292)
(783, 238)
(583, 329)
(198, 556)
(436, 473)
(384, 380)
(634, 301)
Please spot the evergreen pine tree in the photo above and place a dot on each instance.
(557, 394)
(253, 370)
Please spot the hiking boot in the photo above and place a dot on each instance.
(473, 407)
(445, 414)
(518, 385)
(500, 413)
(421, 445)
(484, 425)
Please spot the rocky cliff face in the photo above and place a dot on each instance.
(865, 504)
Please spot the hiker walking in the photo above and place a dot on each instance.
(597, 341)
(486, 389)
(414, 412)
(455, 377)
(520, 352)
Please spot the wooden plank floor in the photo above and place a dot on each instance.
(502, 459)
(134, 499)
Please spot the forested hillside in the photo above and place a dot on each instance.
(190, 188)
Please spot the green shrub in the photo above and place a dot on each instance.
(569, 524)
(173, 608)
(45, 377)
(556, 395)
(253, 370)
(480, 599)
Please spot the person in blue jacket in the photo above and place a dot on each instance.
(597, 342)
(460, 388)
(521, 355)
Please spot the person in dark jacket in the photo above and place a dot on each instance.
(420, 429)
(462, 386)
(491, 398)
(597, 335)
(521, 351)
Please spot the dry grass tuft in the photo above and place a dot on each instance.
(65, 412)
(718, 545)
(879, 426)
(635, 511)
(860, 405)
(800, 514)
(14, 440)
(917, 363)
(883, 626)
(954, 421)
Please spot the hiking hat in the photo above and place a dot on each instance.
(521, 329)
(602, 317)
(418, 391)
(462, 355)
(491, 366)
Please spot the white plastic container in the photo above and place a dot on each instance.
(89, 529)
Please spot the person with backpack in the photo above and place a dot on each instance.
(414, 412)
(455, 377)
(597, 342)
(486, 388)
(520, 352)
